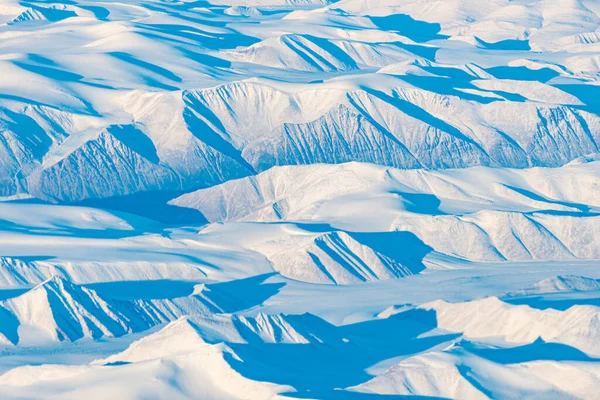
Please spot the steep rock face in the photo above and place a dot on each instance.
(57, 156)
(104, 166)
(347, 126)
(419, 121)
(196, 138)
(561, 136)
(414, 127)
(408, 85)
(186, 139)
(23, 144)
(446, 131)
(337, 137)
(247, 110)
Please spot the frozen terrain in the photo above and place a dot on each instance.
(278, 199)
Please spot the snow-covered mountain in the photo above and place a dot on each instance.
(311, 192)
(176, 108)
(57, 310)
(270, 199)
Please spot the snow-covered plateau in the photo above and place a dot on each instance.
(299, 199)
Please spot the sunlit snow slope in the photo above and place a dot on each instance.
(271, 199)
(109, 99)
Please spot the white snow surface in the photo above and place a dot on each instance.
(122, 98)
(314, 199)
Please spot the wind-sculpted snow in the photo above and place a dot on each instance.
(304, 193)
(492, 236)
(577, 327)
(338, 257)
(56, 310)
(200, 372)
(187, 333)
(269, 199)
(477, 214)
(144, 97)
(462, 372)
(561, 284)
